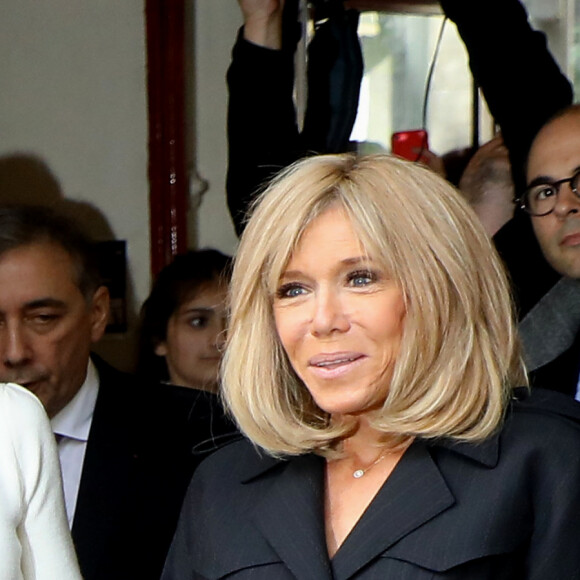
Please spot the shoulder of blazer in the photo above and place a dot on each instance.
(546, 402)
(527, 409)
(242, 460)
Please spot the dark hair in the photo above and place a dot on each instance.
(26, 225)
(176, 283)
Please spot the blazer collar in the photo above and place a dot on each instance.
(414, 493)
(290, 513)
(258, 463)
(108, 470)
(485, 452)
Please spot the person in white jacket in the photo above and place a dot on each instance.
(35, 542)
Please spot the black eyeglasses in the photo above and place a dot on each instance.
(541, 199)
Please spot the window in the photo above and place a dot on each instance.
(398, 49)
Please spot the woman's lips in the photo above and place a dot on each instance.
(330, 365)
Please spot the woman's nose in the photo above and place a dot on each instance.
(329, 314)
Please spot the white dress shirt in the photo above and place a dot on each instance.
(73, 423)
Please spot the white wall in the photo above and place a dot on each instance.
(74, 96)
(557, 19)
(216, 25)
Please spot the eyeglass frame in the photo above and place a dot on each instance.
(555, 185)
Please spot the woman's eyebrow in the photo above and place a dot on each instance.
(356, 260)
(346, 262)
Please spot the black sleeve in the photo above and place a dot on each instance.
(263, 135)
(522, 83)
(262, 129)
(523, 86)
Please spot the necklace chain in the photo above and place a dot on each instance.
(358, 473)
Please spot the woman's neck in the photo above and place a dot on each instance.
(365, 443)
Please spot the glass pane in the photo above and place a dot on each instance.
(398, 50)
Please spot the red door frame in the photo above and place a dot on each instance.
(168, 182)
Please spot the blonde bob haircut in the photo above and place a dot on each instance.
(459, 354)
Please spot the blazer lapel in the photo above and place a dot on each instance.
(105, 481)
(291, 517)
(413, 494)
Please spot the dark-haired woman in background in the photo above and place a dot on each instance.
(183, 321)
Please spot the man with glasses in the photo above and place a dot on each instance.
(552, 198)
(551, 330)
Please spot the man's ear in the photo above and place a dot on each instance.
(99, 312)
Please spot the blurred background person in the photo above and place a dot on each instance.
(373, 363)
(183, 321)
(488, 185)
(35, 542)
(483, 176)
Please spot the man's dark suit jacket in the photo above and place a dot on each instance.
(506, 508)
(138, 463)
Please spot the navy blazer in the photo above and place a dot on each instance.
(138, 463)
(507, 508)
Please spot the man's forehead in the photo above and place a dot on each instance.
(41, 255)
(555, 153)
(39, 271)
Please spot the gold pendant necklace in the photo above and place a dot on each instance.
(358, 473)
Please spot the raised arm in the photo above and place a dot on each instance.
(523, 86)
(263, 22)
(262, 129)
(522, 83)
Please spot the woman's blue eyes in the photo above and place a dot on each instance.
(363, 278)
(358, 279)
(290, 291)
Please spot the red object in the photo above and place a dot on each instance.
(410, 144)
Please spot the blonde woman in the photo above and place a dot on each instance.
(371, 362)
(35, 542)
